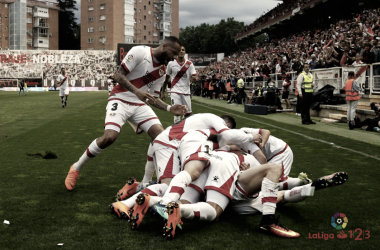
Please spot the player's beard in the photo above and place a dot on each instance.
(164, 58)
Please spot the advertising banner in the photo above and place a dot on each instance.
(84, 67)
(202, 59)
(327, 76)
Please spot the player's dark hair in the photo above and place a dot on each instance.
(351, 74)
(229, 119)
(173, 39)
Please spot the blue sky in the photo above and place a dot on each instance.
(195, 12)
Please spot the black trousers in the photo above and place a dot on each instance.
(307, 100)
(299, 104)
(229, 95)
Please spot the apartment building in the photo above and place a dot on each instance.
(105, 23)
(28, 25)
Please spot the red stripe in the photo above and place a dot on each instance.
(154, 62)
(242, 191)
(165, 144)
(112, 123)
(215, 145)
(197, 215)
(130, 103)
(168, 173)
(144, 80)
(125, 67)
(222, 130)
(285, 185)
(148, 191)
(141, 123)
(179, 93)
(225, 188)
(283, 177)
(178, 190)
(177, 131)
(180, 73)
(149, 158)
(202, 132)
(279, 152)
(269, 199)
(156, 92)
(89, 153)
(196, 188)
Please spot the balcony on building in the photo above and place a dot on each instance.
(41, 12)
(40, 23)
(166, 1)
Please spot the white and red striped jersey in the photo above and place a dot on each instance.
(144, 72)
(65, 79)
(207, 124)
(273, 145)
(180, 75)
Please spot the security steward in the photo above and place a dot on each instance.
(305, 82)
(240, 85)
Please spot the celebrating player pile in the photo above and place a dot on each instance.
(202, 146)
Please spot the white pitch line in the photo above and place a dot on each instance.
(290, 131)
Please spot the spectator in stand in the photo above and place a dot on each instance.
(367, 54)
(229, 89)
(376, 57)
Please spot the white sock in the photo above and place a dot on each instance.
(201, 211)
(153, 191)
(149, 170)
(298, 194)
(156, 189)
(289, 183)
(177, 118)
(92, 151)
(177, 187)
(269, 190)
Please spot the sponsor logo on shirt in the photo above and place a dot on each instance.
(129, 58)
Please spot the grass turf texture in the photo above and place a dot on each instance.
(42, 213)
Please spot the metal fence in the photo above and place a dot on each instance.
(369, 80)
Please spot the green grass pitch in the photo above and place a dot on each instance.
(42, 213)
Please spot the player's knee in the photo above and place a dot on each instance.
(155, 130)
(275, 169)
(107, 139)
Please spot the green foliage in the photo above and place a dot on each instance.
(67, 26)
(205, 38)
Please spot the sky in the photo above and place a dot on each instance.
(195, 12)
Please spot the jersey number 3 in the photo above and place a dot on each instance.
(114, 106)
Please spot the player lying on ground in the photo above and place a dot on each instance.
(276, 151)
(163, 152)
(142, 70)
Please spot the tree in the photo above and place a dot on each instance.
(67, 26)
(207, 38)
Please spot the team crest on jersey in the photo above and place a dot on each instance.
(187, 65)
(129, 58)
(113, 114)
(215, 178)
(161, 72)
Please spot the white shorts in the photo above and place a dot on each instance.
(141, 118)
(285, 159)
(63, 91)
(166, 162)
(248, 205)
(220, 177)
(183, 100)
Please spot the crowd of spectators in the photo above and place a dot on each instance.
(346, 42)
(280, 10)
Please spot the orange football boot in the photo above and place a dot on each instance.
(128, 190)
(120, 209)
(137, 213)
(174, 212)
(71, 178)
(271, 225)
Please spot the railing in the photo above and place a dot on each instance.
(369, 80)
(42, 25)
